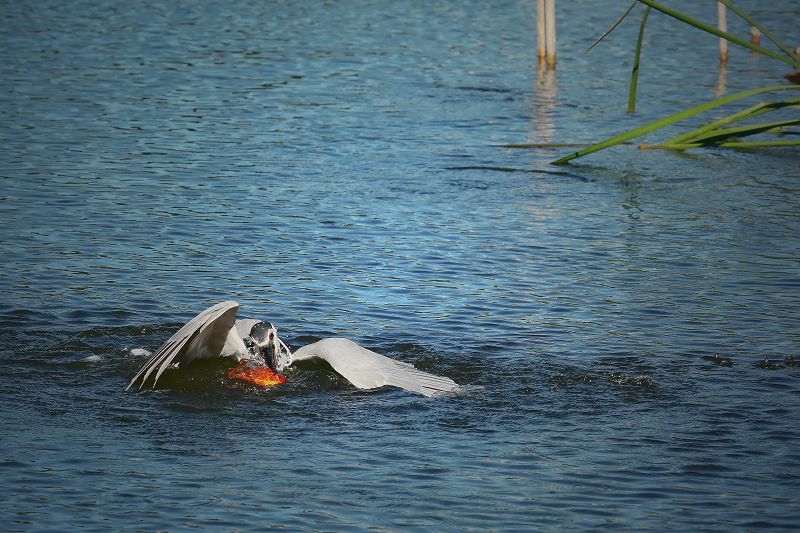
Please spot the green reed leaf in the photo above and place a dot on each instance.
(635, 70)
(672, 119)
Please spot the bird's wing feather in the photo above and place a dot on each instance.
(202, 336)
(367, 370)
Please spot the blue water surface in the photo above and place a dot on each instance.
(629, 322)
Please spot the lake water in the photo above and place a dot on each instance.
(337, 168)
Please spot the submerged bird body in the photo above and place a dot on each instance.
(215, 332)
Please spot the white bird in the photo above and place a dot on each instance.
(215, 332)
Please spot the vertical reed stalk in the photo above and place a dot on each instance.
(540, 32)
(755, 35)
(722, 24)
(794, 57)
(550, 32)
(790, 58)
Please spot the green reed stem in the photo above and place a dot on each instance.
(613, 26)
(672, 119)
(764, 31)
(725, 35)
(635, 70)
(725, 134)
(750, 112)
(735, 144)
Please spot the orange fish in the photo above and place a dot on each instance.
(261, 376)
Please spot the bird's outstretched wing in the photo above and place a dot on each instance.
(203, 336)
(368, 370)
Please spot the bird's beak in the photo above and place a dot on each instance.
(270, 353)
(276, 354)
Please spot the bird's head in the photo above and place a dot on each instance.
(274, 351)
